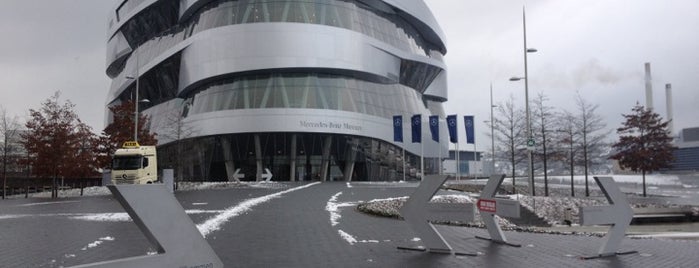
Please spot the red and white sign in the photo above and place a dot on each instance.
(487, 205)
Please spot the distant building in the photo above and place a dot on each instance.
(15, 154)
(469, 164)
(687, 152)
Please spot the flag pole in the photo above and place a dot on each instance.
(475, 160)
(439, 144)
(404, 162)
(458, 165)
(422, 159)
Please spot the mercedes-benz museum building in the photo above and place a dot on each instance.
(301, 89)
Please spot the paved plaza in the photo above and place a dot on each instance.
(295, 225)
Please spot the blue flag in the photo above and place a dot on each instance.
(398, 128)
(470, 135)
(434, 127)
(451, 125)
(416, 124)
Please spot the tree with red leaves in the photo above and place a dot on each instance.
(59, 145)
(121, 130)
(644, 143)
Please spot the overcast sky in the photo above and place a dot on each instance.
(597, 48)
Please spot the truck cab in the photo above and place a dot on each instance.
(134, 164)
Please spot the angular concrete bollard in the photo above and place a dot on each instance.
(165, 224)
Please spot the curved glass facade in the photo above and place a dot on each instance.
(351, 15)
(349, 92)
(310, 91)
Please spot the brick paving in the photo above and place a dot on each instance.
(295, 230)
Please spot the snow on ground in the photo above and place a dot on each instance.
(347, 237)
(652, 179)
(334, 208)
(331, 207)
(46, 203)
(389, 207)
(87, 191)
(217, 221)
(6, 217)
(183, 186)
(683, 235)
(193, 186)
(104, 217)
(553, 209)
(98, 242)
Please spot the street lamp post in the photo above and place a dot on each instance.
(492, 130)
(530, 141)
(135, 99)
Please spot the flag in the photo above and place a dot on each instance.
(451, 125)
(416, 124)
(470, 135)
(398, 128)
(434, 127)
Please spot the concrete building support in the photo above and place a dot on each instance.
(325, 166)
(292, 159)
(351, 156)
(228, 158)
(258, 158)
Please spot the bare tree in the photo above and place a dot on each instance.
(9, 127)
(175, 130)
(509, 127)
(567, 138)
(591, 126)
(543, 115)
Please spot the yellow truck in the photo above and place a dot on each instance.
(134, 164)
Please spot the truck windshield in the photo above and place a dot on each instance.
(126, 162)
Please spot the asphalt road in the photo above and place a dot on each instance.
(296, 229)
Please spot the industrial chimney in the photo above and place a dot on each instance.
(668, 104)
(649, 88)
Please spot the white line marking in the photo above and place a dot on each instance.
(217, 221)
(331, 207)
(347, 237)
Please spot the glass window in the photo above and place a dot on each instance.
(312, 91)
(126, 162)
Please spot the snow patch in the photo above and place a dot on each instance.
(676, 235)
(47, 203)
(98, 242)
(75, 192)
(654, 179)
(347, 237)
(104, 217)
(217, 221)
(194, 186)
(124, 217)
(202, 211)
(331, 207)
(16, 216)
(92, 245)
